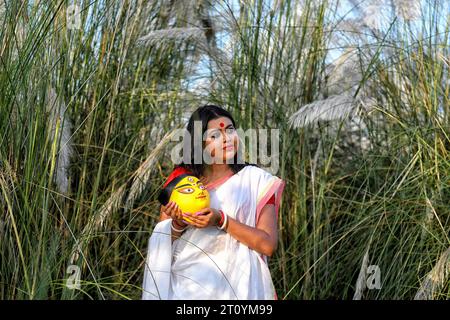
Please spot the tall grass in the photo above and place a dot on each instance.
(363, 113)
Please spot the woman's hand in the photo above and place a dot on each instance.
(173, 211)
(204, 218)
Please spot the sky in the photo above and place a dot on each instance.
(378, 14)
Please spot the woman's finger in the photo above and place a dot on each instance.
(199, 222)
(203, 211)
(189, 216)
(202, 218)
(168, 210)
(179, 213)
(173, 208)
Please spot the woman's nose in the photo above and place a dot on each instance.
(226, 138)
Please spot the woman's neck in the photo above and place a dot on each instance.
(213, 172)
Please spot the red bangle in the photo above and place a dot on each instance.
(221, 218)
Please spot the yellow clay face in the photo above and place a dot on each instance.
(190, 195)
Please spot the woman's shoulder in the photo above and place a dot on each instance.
(259, 180)
(255, 171)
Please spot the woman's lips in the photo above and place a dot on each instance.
(200, 197)
(229, 147)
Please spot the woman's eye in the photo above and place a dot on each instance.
(202, 187)
(186, 190)
(230, 130)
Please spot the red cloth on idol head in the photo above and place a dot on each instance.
(176, 176)
(175, 173)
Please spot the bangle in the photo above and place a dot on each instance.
(183, 224)
(224, 222)
(175, 229)
(221, 218)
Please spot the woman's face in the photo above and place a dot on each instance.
(221, 140)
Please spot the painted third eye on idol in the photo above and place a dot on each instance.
(187, 192)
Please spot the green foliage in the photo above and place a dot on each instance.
(91, 104)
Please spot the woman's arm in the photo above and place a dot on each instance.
(263, 238)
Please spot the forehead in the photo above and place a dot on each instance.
(192, 180)
(215, 123)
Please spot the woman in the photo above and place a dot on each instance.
(222, 253)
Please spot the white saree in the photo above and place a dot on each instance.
(207, 263)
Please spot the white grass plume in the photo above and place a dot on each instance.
(344, 33)
(144, 172)
(428, 219)
(333, 108)
(141, 177)
(344, 78)
(346, 73)
(435, 279)
(372, 13)
(162, 37)
(409, 10)
(65, 150)
(7, 178)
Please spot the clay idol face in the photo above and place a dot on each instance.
(190, 195)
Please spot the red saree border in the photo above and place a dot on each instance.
(218, 182)
(276, 186)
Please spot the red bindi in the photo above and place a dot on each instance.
(221, 124)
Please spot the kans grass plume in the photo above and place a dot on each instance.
(333, 108)
(344, 79)
(140, 178)
(408, 10)
(161, 38)
(142, 175)
(57, 111)
(435, 279)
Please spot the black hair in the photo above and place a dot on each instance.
(164, 194)
(205, 114)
